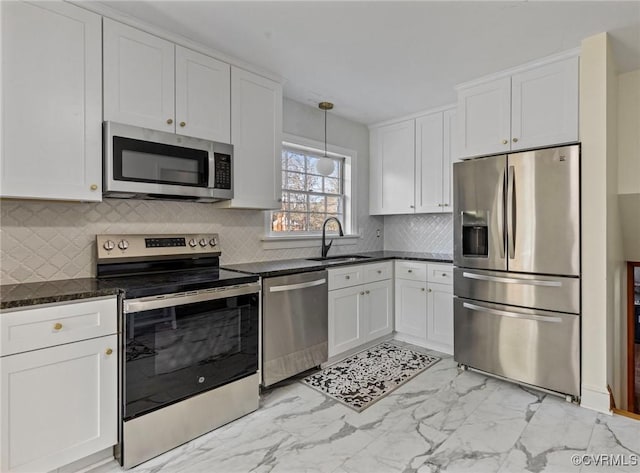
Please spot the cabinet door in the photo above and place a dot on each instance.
(379, 309)
(58, 405)
(429, 163)
(203, 96)
(51, 131)
(394, 169)
(346, 324)
(450, 156)
(411, 308)
(138, 78)
(484, 114)
(545, 105)
(256, 135)
(440, 318)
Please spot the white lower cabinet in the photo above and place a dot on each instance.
(58, 404)
(361, 312)
(424, 308)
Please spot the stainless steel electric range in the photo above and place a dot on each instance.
(189, 351)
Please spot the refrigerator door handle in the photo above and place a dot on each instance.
(500, 212)
(531, 282)
(515, 315)
(511, 212)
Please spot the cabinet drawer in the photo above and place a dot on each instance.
(345, 277)
(41, 327)
(377, 271)
(412, 270)
(440, 273)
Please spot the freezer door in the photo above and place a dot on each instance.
(478, 216)
(543, 211)
(530, 346)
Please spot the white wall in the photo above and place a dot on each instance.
(56, 240)
(629, 162)
(602, 264)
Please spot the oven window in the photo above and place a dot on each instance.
(143, 161)
(176, 352)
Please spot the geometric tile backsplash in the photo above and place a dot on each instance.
(422, 232)
(56, 240)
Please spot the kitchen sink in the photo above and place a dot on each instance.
(340, 259)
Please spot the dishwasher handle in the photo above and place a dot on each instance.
(301, 285)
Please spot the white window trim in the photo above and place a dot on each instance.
(275, 241)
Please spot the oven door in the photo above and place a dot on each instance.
(180, 345)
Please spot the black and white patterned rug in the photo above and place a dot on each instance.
(368, 376)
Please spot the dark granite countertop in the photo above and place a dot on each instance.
(27, 294)
(292, 266)
(23, 295)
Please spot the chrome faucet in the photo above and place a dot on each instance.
(325, 247)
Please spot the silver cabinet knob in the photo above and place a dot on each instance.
(203, 242)
(515, 140)
(367, 292)
(409, 270)
(430, 290)
(412, 206)
(123, 244)
(446, 205)
(193, 243)
(422, 289)
(183, 124)
(169, 121)
(347, 277)
(362, 293)
(379, 271)
(504, 142)
(94, 187)
(109, 245)
(444, 275)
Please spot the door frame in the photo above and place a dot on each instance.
(631, 399)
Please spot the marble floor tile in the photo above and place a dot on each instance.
(443, 420)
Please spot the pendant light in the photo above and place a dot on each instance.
(325, 165)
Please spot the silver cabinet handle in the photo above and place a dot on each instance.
(515, 315)
(301, 285)
(530, 282)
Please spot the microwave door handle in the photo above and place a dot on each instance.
(212, 169)
(511, 212)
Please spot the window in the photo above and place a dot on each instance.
(308, 197)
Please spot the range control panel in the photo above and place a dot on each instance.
(110, 247)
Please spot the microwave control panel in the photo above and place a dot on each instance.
(222, 171)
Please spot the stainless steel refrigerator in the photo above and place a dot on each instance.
(517, 274)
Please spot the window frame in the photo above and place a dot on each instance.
(314, 147)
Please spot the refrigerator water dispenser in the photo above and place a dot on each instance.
(475, 233)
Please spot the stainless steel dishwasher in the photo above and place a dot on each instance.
(294, 324)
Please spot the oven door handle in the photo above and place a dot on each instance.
(171, 300)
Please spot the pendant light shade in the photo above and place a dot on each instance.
(326, 165)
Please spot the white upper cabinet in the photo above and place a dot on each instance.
(393, 168)
(411, 165)
(485, 117)
(51, 131)
(256, 136)
(532, 107)
(429, 163)
(138, 78)
(152, 83)
(203, 96)
(545, 105)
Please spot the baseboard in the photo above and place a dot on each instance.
(403, 337)
(89, 463)
(595, 400)
(358, 349)
(631, 415)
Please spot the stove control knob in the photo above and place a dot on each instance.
(193, 243)
(123, 245)
(203, 243)
(109, 245)
(213, 241)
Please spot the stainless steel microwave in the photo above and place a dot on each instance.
(149, 164)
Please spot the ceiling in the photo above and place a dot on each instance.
(381, 60)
